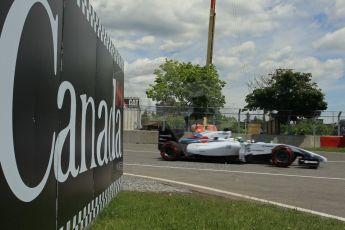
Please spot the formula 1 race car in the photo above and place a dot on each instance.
(220, 144)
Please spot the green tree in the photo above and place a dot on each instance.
(182, 84)
(292, 94)
(226, 122)
(175, 121)
(146, 117)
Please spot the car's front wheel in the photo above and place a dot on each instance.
(282, 156)
(170, 151)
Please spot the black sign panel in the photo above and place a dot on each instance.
(61, 95)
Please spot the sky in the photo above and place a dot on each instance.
(252, 38)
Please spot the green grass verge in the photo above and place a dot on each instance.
(135, 210)
(336, 150)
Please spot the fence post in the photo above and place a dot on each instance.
(239, 122)
(139, 125)
(339, 114)
(164, 120)
(314, 131)
(188, 122)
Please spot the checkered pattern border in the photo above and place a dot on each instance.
(95, 23)
(91, 210)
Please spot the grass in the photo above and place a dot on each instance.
(336, 150)
(135, 210)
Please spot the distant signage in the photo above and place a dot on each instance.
(131, 102)
(61, 115)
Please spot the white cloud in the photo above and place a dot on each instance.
(139, 75)
(243, 8)
(283, 11)
(147, 40)
(224, 62)
(332, 41)
(336, 10)
(331, 69)
(143, 66)
(154, 17)
(142, 43)
(280, 54)
(245, 48)
(170, 45)
(254, 18)
(143, 79)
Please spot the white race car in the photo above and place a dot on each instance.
(220, 144)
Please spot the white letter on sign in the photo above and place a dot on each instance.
(9, 44)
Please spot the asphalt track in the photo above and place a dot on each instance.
(319, 191)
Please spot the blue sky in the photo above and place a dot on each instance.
(252, 38)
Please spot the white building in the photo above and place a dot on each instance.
(131, 113)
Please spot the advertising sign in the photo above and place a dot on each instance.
(61, 98)
(132, 102)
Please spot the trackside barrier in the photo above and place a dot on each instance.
(332, 141)
(61, 99)
(140, 137)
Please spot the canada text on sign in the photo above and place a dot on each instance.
(83, 140)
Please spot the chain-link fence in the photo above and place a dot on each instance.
(240, 121)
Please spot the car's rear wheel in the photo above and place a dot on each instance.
(170, 151)
(282, 156)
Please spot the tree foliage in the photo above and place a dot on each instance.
(186, 85)
(292, 94)
(308, 127)
(226, 122)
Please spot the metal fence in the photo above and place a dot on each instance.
(241, 121)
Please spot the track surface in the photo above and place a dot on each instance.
(321, 190)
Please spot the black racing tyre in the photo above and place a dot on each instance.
(294, 157)
(282, 156)
(170, 151)
(249, 158)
